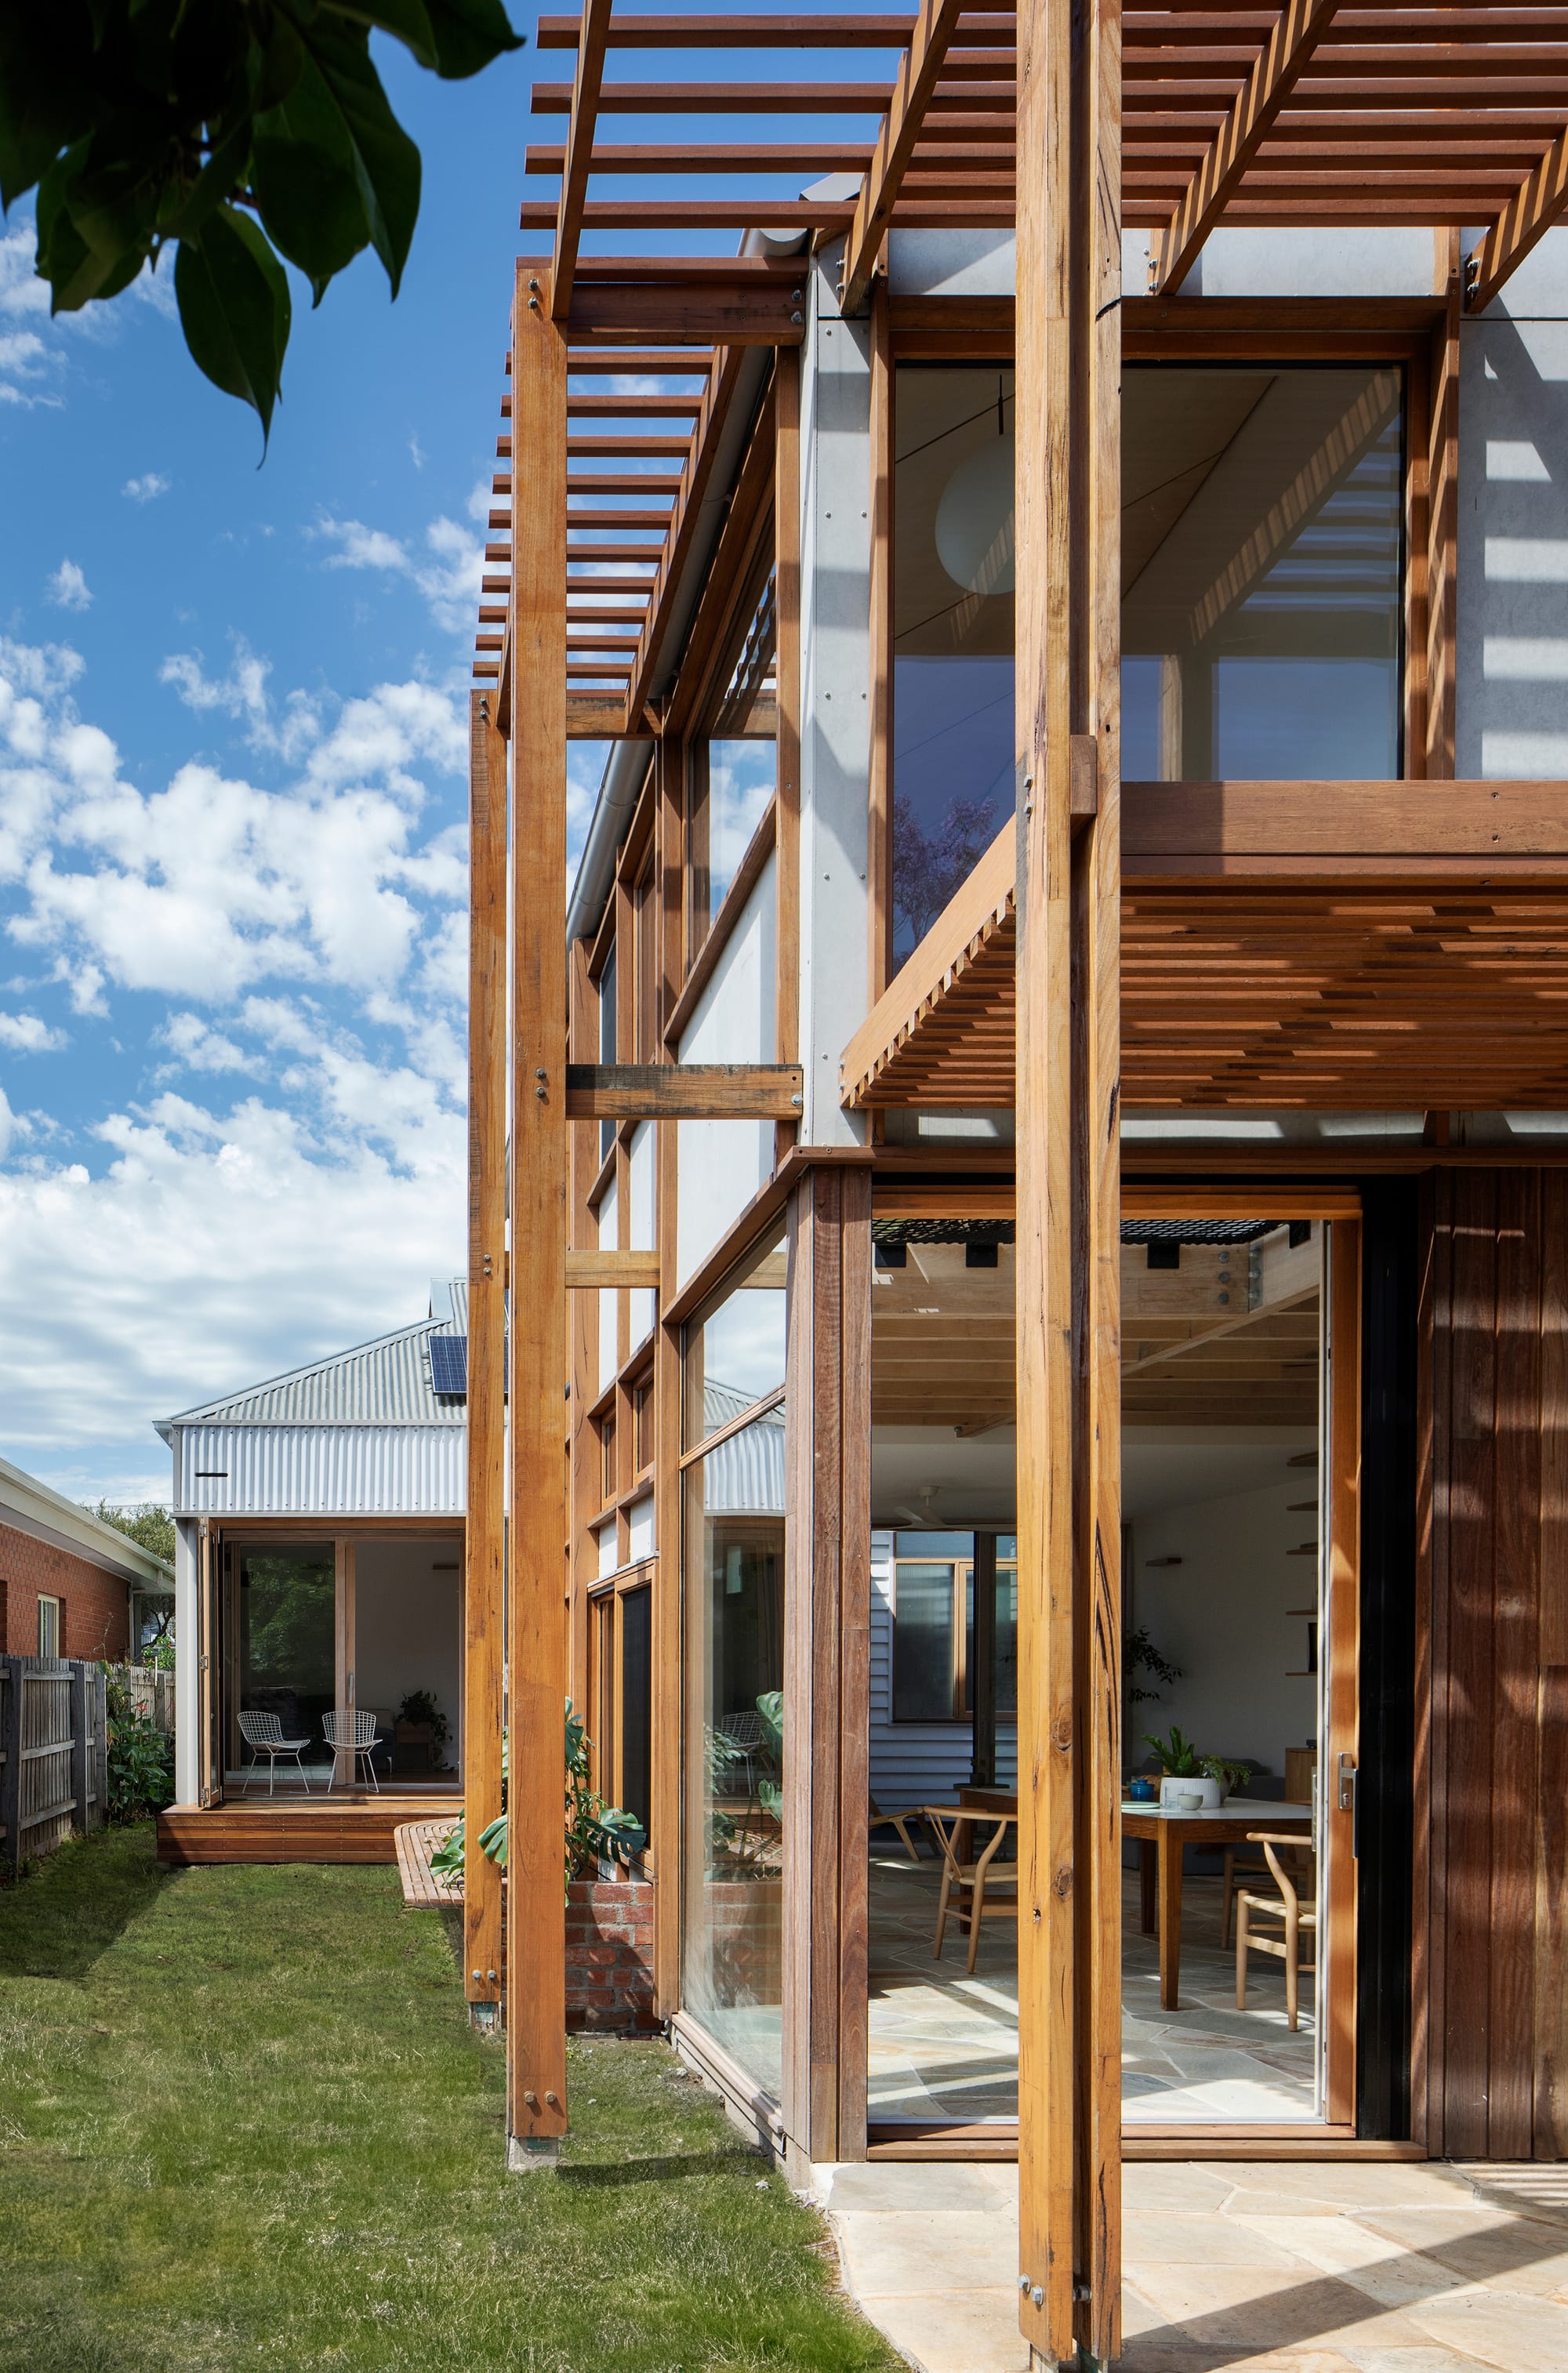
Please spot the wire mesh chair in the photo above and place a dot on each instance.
(263, 1734)
(356, 1735)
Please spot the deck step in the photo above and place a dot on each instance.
(416, 1842)
(324, 1830)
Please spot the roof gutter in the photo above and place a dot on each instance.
(627, 766)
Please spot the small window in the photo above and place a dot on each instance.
(642, 1424)
(608, 1486)
(51, 1626)
(933, 1627)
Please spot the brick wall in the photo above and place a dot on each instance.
(95, 1609)
(609, 1955)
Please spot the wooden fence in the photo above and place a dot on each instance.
(53, 1753)
(150, 1691)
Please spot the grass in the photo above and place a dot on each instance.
(243, 2121)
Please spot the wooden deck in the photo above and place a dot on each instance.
(416, 1842)
(344, 1827)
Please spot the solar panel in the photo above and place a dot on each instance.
(449, 1366)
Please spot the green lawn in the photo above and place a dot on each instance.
(243, 2121)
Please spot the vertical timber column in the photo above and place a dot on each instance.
(536, 1641)
(483, 1705)
(668, 1878)
(827, 1663)
(1067, 1257)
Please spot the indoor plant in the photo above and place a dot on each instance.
(1185, 1772)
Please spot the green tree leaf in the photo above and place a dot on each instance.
(458, 38)
(234, 309)
(306, 179)
(385, 160)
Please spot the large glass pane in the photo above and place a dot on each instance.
(735, 1345)
(734, 765)
(732, 1949)
(952, 757)
(636, 1783)
(1261, 572)
(285, 1648)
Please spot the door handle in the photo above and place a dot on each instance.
(1348, 1774)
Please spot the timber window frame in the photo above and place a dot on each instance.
(960, 1634)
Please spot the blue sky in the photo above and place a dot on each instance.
(232, 828)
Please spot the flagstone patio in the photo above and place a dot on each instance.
(1364, 2267)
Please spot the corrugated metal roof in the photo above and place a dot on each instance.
(332, 1469)
(744, 1475)
(383, 1383)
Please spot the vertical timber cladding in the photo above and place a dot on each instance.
(1491, 2012)
(1068, 1274)
(827, 1663)
(484, 1710)
(536, 1627)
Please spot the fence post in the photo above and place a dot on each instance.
(81, 1743)
(100, 1748)
(11, 1761)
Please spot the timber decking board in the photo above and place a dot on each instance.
(415, 1843)
(325, 1830)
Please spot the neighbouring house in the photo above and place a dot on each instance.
(319, 1532)
(1056, 1065)
(70, 1585)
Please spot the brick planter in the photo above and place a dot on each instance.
(610, 1955)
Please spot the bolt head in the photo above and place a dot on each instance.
(1037, 2297)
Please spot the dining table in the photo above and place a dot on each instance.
(1164, 1831)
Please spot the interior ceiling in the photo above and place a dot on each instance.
(1229, 1338)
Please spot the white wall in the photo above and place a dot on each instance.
(835, 699)
(408, 1626)
(187, 1686)
(1512, 694)
(642, 1233)
(723, 1163)
(1221, 1616)
(609, 1223)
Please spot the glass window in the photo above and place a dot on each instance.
(734, 1353)
(732, 1945)
(952, 755)
(734, 761)
(48, 1627)
(636, 1705)
(285, 1649)
(933, 1627)
(1262, 581)
(1262, 572)
(607, 1039)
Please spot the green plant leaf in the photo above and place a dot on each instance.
(234, 309)
(458, 38)
(306, 178)
(385, 161)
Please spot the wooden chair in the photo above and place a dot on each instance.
(899, 1821)
(949, 1824)
(1241, 1864)
(1285, 1906)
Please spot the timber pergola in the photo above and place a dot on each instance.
(1314, 117)
(1066, 124)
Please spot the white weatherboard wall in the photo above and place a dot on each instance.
(722, 1163)
(916, 1762)
(1512, 691)
(835, 699)
(1223, 1615)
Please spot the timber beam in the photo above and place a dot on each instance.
(685, 1091)
(610, 1270)
(572, 204)
(918, 72)
(1542, 201)
(1273, 77)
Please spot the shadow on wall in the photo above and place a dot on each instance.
(1512, 693)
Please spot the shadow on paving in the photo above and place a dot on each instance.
(69, 1909)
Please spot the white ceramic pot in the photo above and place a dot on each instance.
(1172, 1792)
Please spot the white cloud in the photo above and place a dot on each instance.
(67, 589)
(201, 1048)
(26, 1033)
(446, 573)
(241, 692)
(148, 488)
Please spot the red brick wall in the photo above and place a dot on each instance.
(609, 1955)
(95, 1609)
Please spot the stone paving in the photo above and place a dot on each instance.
(1362, 2267)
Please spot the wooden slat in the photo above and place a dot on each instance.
(485, 1538)
(1443, 530)
(537, 1638)
(1524, 222)
(683, 1091)
(1342, 1655)
(668, 847)
(1273, 78)
(918, 72)
(571, 207)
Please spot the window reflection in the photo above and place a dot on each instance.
(734, 761)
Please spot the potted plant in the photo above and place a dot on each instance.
(1228, 1774)
(1185, 1774)
(421, 1723)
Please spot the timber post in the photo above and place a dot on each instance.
(536, 1627)
(1068, 1204)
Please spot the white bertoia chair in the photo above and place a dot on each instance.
(263, 1734)
(354, 1735)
